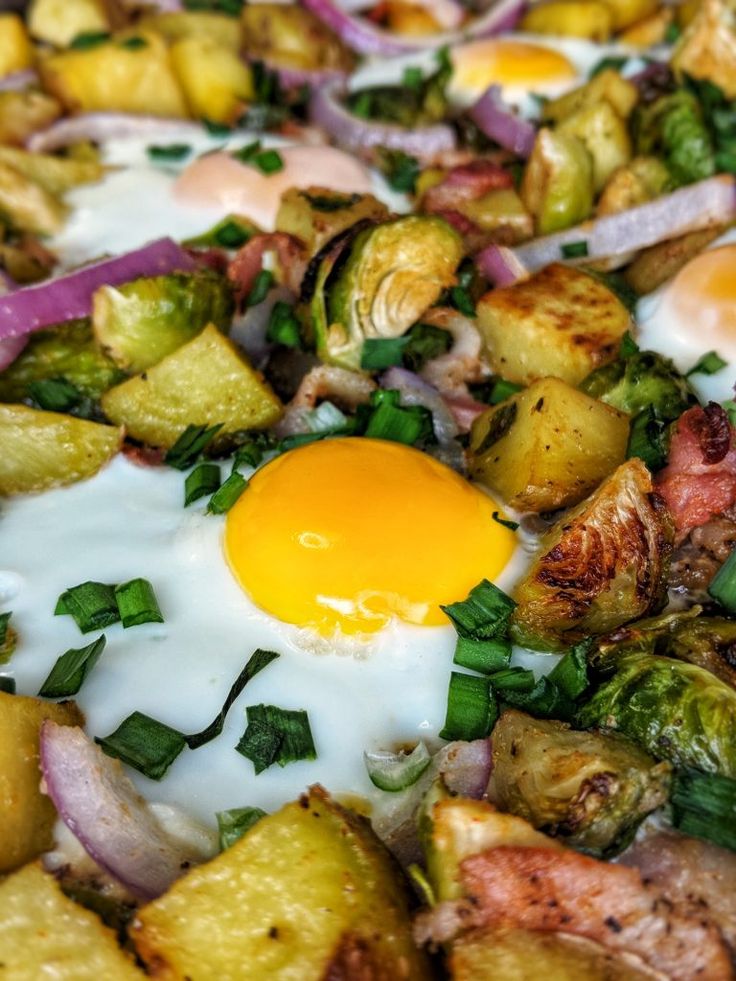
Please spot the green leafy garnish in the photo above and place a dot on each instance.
(146, 744)
(169, 152)
(574, 250)
(267, 161)
(233, 824)
(261, 285)
(201, 482)
(276, 735)
(224, 498)
(137, 604)
(283, 326)
(709, 364)
(55, 394)
(92, 605)
(471, 708)
(89, 39)
(71, 669)
(192, 442)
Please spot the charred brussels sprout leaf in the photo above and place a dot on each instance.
(591, 788)
(674, 128)
(641, 380)
(677, 711)
(602, 565)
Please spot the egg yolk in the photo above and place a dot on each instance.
(702, 298)
(516, 66)
(346, 534)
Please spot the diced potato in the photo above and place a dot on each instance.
(26, 815)
(560, 322)
(557, 187)
(215, 81)
(43, 934)
(22, 113)
(316, 214)
(47, 449)
(707, 48)
(26, 205)
(308, 893)
(548, 446)
(289, 35)
(660, 262)
(55, 174)
(501, 214)
(58, 22)
(117, 77)
(411, 19)
(605, 136)
(27, 261)
(607, 85)
(686, 11)
(220, 28)
(206, 381)
(627, 12)
(639, 181)
(649, 31)
(16, 52)
(591, 19)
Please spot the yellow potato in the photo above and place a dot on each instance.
(26, 205)
(605, 136)
(216, 82)
(649, 31)
(58, 22)
(590, 19)
(22, 113)
(627, 12)
(221, 28)
(16, 52)
(606, 86)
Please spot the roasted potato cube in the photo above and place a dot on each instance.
(220, 28)
(627, 12)
(116, 76)
(26, 205)
(45, 934)
(641, 180)
(47, 449)
(557, 187)
(658, 263)
(58, 22)
(605, 136)
(22, 113)
(289, 35)
(54, 174)
(26, 815)
(316, 214)
(548, 446)
(686, 10)
(560, 322)
(16, 52)
(215, 81)
(410, 18)
(649, 31)
(591, 19)
(501, 214)
(707, 48)
(205, 381)
(309, 893)
(608, 86)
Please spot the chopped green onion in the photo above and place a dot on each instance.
(413, 77)
(326, 418)
(672, 33)
(133, 43)
(261, 285)
(146, 744)
(628, 347)
(730, 407)
(647, 439)
(260, 744)
(4, 620)
(201, 482)
(393, 772)
(250, 454)
(330, 203)
(283, 326)
(233, 824)
(170, 151)
(137, 603)
(189, 445)
(494, 392)
(276, 735)
(230, 233)
(511, 525)
(471, 708)
(71, 669)
(512, 680)
(616, 62)
(704, 805)
(392, 421)
(298, 439)
(462, 300)
(484, 656)
(484, 614)
(544, 701)
(400, 170)
(382, 352)
(7, 684)
(7, 638)
(55, 394)
(257, 662)
(224, 498)
(723, 586)
(91, 604)
(89, 39)
(574, 250)
(570, 674)
(267, 161)
(422, 343)
(218, 130)
(709, 364)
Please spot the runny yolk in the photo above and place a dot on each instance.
(515, 65)
(702, 298)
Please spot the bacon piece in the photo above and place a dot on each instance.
(465, 183)
(549, 890)
(248, 262)
(699, 480)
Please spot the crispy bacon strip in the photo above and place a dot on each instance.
(465, 183)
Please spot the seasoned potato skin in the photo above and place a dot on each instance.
(573, 18)
(22, 113)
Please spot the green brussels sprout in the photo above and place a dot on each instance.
(674, 128)
(643, 379)
(418, 101)
(381, 284)
(557, 187)
(591, 788)
(677, 711)
(66, 351)
(603, 564)
(139, 323)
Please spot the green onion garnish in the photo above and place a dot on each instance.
(251, 454)
(616, 62)
(267, 161)
(201, 482)
(7, 684)
(484, 656)
(512, 680)
(628, 347)
(382, 352)
(137, 603)
(672, 33)
(544, 701)
(704, 805)
(233, 824)
(71, 669)
(230, 233)
(484, 614)
(570, 674)
(502, 390)
(511, 525)
(422, 343)
(574, 250)
(88, 39)
(471, 708)
(55, 394)
(462, 300)
(218, 130)
(412, 77)
(723, 586)
(133, 43)
(261, 285)
(326, 418)
(393, 772)
(257, 662)
(401, 170)
(276, 735)
(4, 620)
(7, 638)
(260, 744)
(189, 445)
(170, 151)
(730, 406)
(146, 744)
(647, 439)
(709, 364)
(283, 326)
(390, 420)
(91, 604)
(224, 498)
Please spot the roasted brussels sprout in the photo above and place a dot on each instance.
(419, 101)
(639, 181)
(591, 788)
(602, 565)
(673, 128)
(382, 284)
(606, 86)
(139, 323)
(604, 135)
(290, 36)
(677, 711)
(317, 214)
(557, 187)
(641, 380)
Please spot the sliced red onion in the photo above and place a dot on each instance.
(17, 81)
(500, 265)
(466, 767)
(415, 391)
(99, 127)
(365, 38)
(499, 122)
(327, 110)
(102, 809)
(69, 297)
(292, 78)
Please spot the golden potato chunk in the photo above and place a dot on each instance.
(43, 934)
(707, 49)
(308, 893)
(22, 113)
(289, 35)
(559, 322)
(125, 74)
(604, 135)
(649, 31)
(26, 815)
(660, 262)
(591, 19)
(16, 52)
(548, 446)
(221, 28)
(26, 205)
(316, 214)
(639, 181)
(206, 381)
(58, 22)
(606, 86)
(627, 12)
(47, 449)
(215, 81)
(54, 174)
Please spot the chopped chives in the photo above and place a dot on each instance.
(55, 394)
(7, 684)
(471, 708)
(502, 389)
(224, 498)
(257, 662)
(92, 605)
(4, 620)
(512, 680)
(189, 445)
(574, 250)
(484, 614)
(261, 285)
(7, 638)
(260, 744)
(251, 454)
(704, 805)
(201, 482)
(267, 161)
(484, 656)
(511, 525)
(392, 421)
(88, 39)
(382, 352)
(230, 233)
(133, 43)
(233, 824)
(422, 343)
(730, 406)
(137, 603)
(276, 735)
(646, 439)
(544, 701)
(326, 418)
(71, 669)
(169, 151)
(283, 326)
(146, 744)
(723, 586)
(394, 772)
(628, 347)
(413, 77)
(709, 364)
(570, 674)
(462, 301)
(218, 130)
